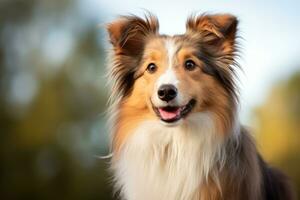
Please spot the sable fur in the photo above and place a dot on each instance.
(210, 155)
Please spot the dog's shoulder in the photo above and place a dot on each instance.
(276, 185)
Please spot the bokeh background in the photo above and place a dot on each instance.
(53, 92)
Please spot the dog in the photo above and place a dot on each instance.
(174, 115)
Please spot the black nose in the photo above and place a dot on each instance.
(167, 92)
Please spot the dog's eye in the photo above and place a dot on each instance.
(151, 68)
(190, 65)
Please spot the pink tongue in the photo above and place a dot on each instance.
(167, 115)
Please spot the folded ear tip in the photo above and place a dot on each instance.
(214, 22)
(228, 23)
(114, 29)
(128, 32)
(224, 20)
(228, 16)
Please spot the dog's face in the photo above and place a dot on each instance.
(173, 80)
(175, 76)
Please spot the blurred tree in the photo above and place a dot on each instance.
(279, 127)
(52, 102)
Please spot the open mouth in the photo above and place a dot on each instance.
(171, 114)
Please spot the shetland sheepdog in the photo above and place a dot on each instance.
(175, 130)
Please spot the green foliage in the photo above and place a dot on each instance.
(278, 127)
(52, 103)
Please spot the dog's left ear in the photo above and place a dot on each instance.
(215, 30)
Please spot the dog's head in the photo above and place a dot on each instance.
(172, 77)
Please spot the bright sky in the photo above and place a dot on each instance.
(270, 31)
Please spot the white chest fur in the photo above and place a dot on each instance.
(168, 163)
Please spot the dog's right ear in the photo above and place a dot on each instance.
(128, 33)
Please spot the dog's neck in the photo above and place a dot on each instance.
(171, 162)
